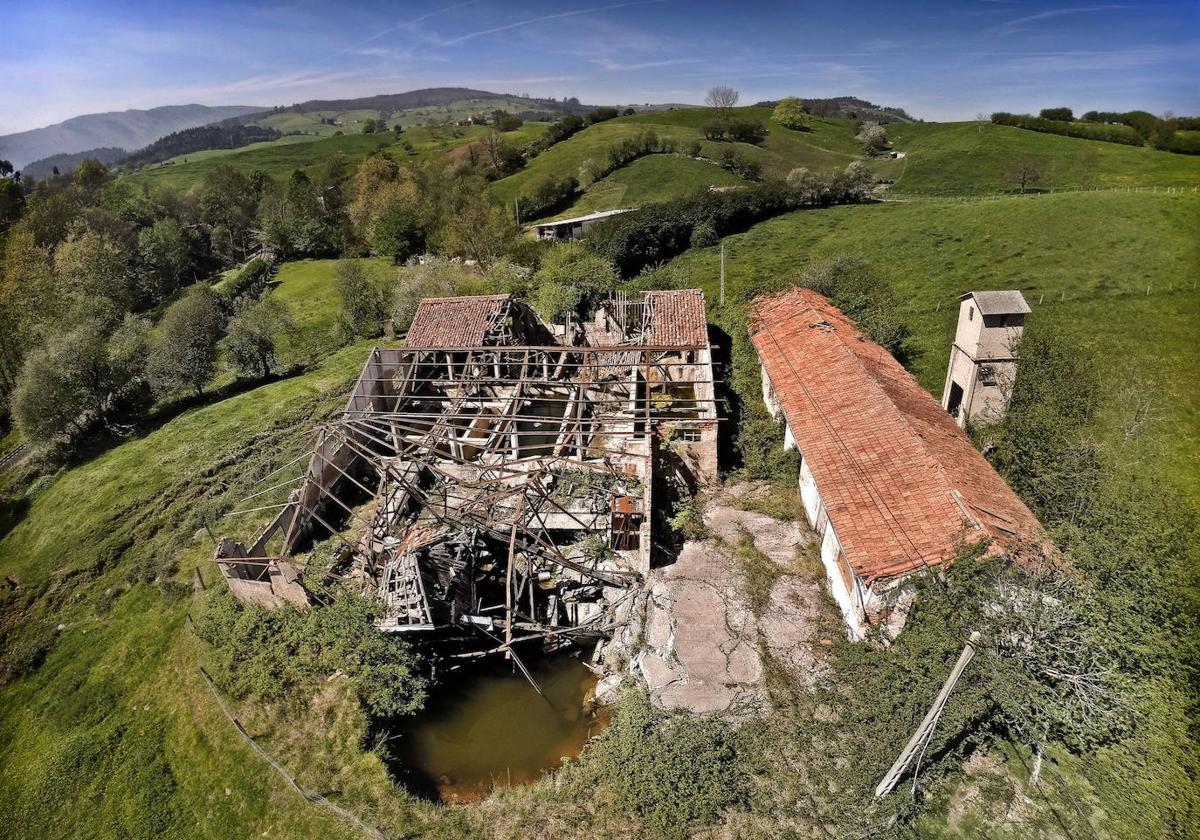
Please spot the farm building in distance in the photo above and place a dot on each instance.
(890, 483)
(983, 362)
(573, 228)
(503, 472)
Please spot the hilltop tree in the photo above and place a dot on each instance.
(185, 352)
(721, 97)
(790, 113)
(1024, 171)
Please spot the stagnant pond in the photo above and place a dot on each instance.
(485, 726)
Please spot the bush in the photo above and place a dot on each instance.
(599, 115)
(1123, 134)
(746, 131)
(547, 194)
(1062, 114)
(250, 281)
(671, 771)
(740, 165)
(364, 299)
(282, 655)
(857, 289)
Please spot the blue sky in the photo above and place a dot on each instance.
(940, 60)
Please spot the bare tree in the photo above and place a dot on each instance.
(721, 97)
(1024, 171)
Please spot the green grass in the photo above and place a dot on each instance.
(649, 179)
(307, 288)
(1083, 261)
(969, 158)
(279, 158)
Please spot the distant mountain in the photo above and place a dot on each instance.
(66, 162)
(853, 108)
(121, 129)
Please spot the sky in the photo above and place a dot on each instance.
(940, 60)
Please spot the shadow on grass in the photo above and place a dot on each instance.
(167, 411)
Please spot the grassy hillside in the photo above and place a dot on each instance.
(280, 157)
(830, 144)
(649, 179)
(969, 158)
(1083, 261)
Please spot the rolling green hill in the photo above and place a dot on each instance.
(969, 158)
(280, 157)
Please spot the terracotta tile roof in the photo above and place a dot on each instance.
(902, 483)
(676, 318)
(454, 321)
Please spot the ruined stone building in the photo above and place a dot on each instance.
(890, 482)
(983, 358)
(498, 475)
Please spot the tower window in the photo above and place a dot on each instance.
(970, 313)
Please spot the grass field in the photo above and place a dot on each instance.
(1083, 261)
(281, 157)
(649, 179)
(969, 158)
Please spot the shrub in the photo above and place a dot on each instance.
(599, 115)
(865, 296)
(281, 655)
(546, 195)
(672, 771)
(1062, 114)
(398, 233)
(746, 131)
(740, 165)
(1123, 134)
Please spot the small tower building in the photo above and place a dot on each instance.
(983, 362)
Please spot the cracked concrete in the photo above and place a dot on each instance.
(692, 637)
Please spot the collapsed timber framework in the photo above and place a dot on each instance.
(503, 472)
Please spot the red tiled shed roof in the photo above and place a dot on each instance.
(676, 318)
(454, 321)
(902, 483)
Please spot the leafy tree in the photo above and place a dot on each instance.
(790, 113)
(435, 278)
(1024, 171)
(746, 131)
(547, 193)
(184, 354)
(364, 299)
(504, 157)
(571, 279)
(91, 265)
(228, 201)
(75, 380)
(398, 233)
(90, 173)
(474, 228)
(253, 333)
(505, 122)
(12, 201)
(810, 187)
(165, 256)
(6, 168)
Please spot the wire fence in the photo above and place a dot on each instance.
(898, 197)
(311, 796)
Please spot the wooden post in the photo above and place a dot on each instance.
(925, 730)
(508, 579)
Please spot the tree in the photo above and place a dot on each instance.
(228, 201)
(6, 168)
(364, 299)
(435, 278)
(873, 137)
(90, 173)
(76, 379)
(474, 228)
(810, 188)
(93, 265)
(253, 333)
(721, 97)
(398, 233)
(185, 350)
(790, 113)
(504, 121)
(1062, 114)
(12, 200)
(569, 278)
(504, 156)
(165, 255)
(1024, 171)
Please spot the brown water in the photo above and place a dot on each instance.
(486, 727)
